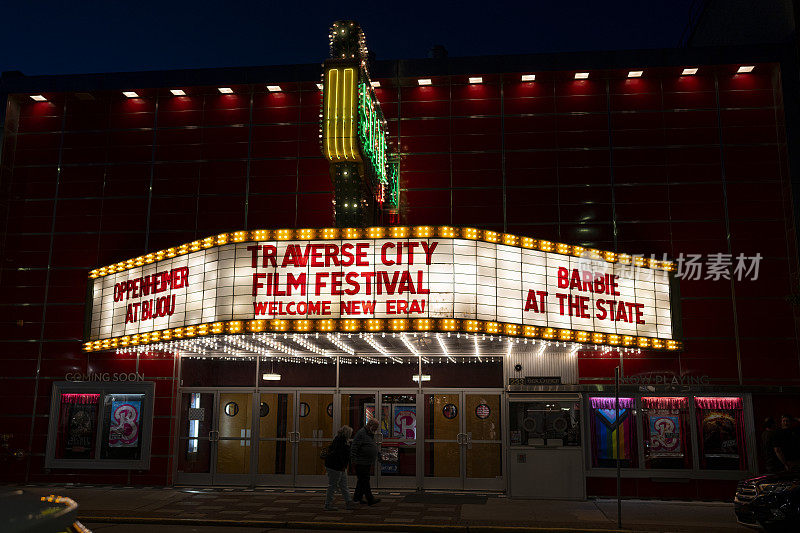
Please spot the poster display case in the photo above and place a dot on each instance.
(104, 425)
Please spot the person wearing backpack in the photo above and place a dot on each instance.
(336, 460)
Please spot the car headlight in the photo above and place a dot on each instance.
(775, 488)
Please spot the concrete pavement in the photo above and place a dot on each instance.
(264, 509)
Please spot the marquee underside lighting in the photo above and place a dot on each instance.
(383, 347)
(377, 326)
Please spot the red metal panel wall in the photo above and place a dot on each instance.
(662, 164)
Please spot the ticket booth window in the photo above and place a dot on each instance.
(545, 423)
(720, 428)
(667, 432)
(606, 448)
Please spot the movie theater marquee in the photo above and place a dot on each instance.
(382, 278)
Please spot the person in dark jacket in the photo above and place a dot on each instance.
(336, 462)
(363, 453)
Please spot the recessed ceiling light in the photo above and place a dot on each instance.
(744, 69)
(424, 81)
(476, 79)
(225, 90)
(177, 92)
(581, 75)
(635, 73)
(376, 84)
(529, 77)
(274, 88)
(130, 94)
(689, 71)
(271, 377)
(38, 98)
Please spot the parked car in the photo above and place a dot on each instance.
(21, 512)
(771, 502)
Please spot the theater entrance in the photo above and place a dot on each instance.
(441, 439)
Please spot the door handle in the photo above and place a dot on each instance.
(213, 435)
(460, 438)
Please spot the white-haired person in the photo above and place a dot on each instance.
(336, 461)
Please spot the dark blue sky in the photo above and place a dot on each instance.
(62, 37)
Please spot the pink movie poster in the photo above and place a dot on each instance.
(124, 430)
(665, 434)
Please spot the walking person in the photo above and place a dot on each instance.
(363, 453)
(336, 461)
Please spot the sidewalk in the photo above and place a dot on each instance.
(397, 511)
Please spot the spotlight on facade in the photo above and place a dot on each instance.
(425, 377)
(271, 377)
(177, 92)
(476, 79)
(689, 71)
(319, 86)
(424, 81)
(225, 90)
(529, 77)
(38, 98)
(744, 69)
(130, 94)
(635, 73)
(376, 84)
(581, 75)
(274, 88)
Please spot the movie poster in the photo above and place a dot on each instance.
(665, 433)
(719, 434)
(81, 426)
(404, 421)
(124, 429)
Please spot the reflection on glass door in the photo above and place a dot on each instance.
(463, 441)
(314, 432)
(482, 441)
(276, 422)
(195, 435)
(234, 416)
(442, 461)
(398, 440)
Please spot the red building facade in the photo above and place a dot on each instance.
(667, 164)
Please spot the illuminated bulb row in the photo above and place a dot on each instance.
(303, 341)
(394, 232)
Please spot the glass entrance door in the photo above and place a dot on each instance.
(315, 417)
(214, 438)
(398, 440)
(463, 440)
(276, 417)
(195, 438)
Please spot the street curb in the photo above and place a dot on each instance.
(371, 526)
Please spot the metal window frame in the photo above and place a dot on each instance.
(104, 389)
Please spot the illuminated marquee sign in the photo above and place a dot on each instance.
(398, 278)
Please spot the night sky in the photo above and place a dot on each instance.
(64, 37)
